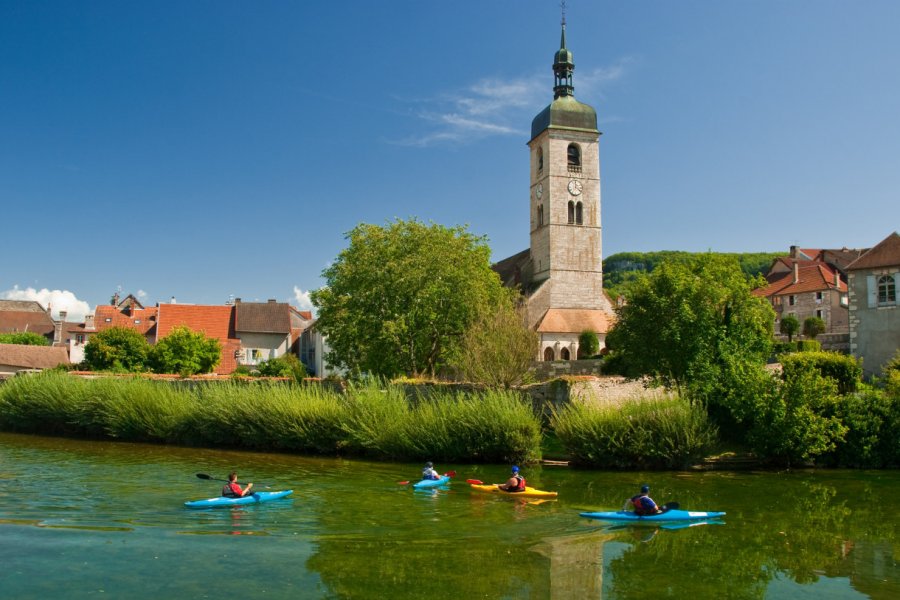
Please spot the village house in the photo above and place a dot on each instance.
(18, 358)
(874, 290)
(21, 316)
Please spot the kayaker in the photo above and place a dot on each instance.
(642, 504)
(429, 473)
(232, 489)
(516, 483)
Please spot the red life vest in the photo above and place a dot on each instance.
(521, 481)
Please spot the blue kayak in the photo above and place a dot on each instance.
(254, 498)
(669, 515)
(430, 483)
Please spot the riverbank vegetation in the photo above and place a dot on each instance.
(369, 419)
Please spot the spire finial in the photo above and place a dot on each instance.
(562, 6)
(563, 64)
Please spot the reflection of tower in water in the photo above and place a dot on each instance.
(576, 564)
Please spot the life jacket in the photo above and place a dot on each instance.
(521, 486)
(229, 492)
(643, 505)
(430, 474)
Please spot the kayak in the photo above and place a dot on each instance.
(669, 515)
(254, 498)
(431, 483)
(530, 492)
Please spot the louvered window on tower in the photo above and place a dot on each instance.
(571, 212)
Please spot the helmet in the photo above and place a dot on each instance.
(645, 489)
(428, 464)
(515, 469)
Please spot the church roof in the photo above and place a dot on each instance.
(565, 113)
(574, 320)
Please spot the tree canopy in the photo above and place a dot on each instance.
(400, 297)
(25, 338)
(680, 322)
(117, 349)
(185, 352)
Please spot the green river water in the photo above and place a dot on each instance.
(82, 519)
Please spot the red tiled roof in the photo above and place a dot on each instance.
(885, 254)
(213, 321)
(141, 319)
(19, 321)
(574, 320)
(812, 277)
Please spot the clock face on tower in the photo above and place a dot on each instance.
(539, 191)
(575, 187)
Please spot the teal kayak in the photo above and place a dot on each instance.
(430, 483)
(254, 498)
(669, 515)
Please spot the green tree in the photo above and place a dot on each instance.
(117, 349)
(25, 338)
(789, 326)
(286, 365)
(680, 322)
(588, 344)
(399, 299)
(813, 326)
(498, 348)
(185, 352)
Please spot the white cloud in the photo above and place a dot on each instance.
(301, 299)
(494, 106)
(57, 300)
(141, 295)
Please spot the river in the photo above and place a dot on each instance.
(82, 519)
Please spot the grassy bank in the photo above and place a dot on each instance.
(373, 420)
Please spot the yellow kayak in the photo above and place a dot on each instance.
(530, 492)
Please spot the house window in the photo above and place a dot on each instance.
(109, 319)
(564, 354)
(791, 300)
(819, 296)
(887, 291)
(579, 217)
(819, 314)
(548, 355)
(137, 321)
(79, 338)
(571, 212)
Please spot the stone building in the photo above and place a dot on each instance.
(875, 304)
(561, 274)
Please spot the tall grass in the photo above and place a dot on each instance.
(373, 419)
(651, 433)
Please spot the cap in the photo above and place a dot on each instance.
(515, 469)
(428, 464)
(645, 488)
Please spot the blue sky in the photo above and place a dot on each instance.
(212, 149)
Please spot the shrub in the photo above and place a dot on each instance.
(185, 352)
(652, 433)
(845, 370)
(813, 326)
(286, 365)
(784, 348)
(118, 349)
(789, 326)
(809, 346)
(25, 338)
(588, 344)
(873, 431)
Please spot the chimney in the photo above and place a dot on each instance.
(88, 321)
(62, 315)
(272, 300)
(796, 270)
(837, 279)
(793, 251)
(172, 300)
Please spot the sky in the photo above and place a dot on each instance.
(210, 150)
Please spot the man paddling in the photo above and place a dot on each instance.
(642, 504)
(516, 483)
(232, 489)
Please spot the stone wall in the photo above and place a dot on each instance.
(545, 370)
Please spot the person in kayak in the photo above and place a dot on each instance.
(232, 489)
(516, 483)
(429, 473)
(642, 504)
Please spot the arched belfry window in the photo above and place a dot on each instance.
(540, 215)
(540, 160)
(571, 212)
(548, 354)
(579, 214)
(574, 158)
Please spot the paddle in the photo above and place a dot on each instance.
(447, 474)
(211, 478)
(475, 481)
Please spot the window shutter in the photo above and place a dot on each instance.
(872, 286)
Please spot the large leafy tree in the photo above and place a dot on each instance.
(682, 322)
(117, 349)
(399, 298)
(185, 352)
(498, 348)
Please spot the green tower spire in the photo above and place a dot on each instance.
(563, 66)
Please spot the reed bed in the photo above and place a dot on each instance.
(657, 432)
(372, 419)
